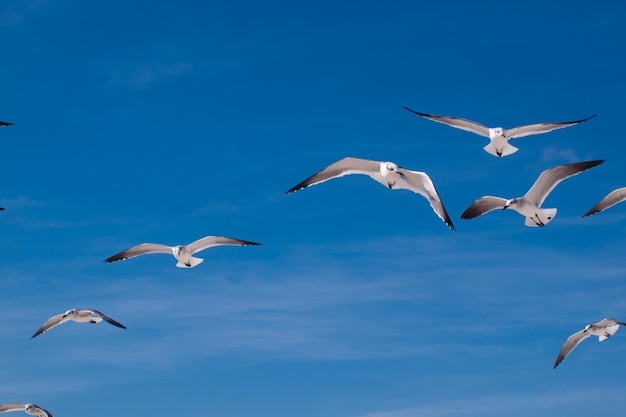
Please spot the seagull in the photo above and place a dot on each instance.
(614, 197)
(6, 123)
(79, 316)
(32, 409)
(529, 204)
(604, 329)
(182, 253)
(499, 145)
(388, 174)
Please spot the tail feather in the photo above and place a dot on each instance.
(542, 217)
(507, 150)
(192, 262)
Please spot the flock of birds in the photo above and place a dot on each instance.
(394, 177)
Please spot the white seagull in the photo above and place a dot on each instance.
(499, 145)
(182, 253)
(79, 316)
(604, 329)
(32, 409)
(388, 174)
(529, 205)
(614, 197)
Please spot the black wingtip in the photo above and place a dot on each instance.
(416, 112)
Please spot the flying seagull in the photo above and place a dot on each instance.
(529, 204)
(604, 329)
(182, 253)
(614, 197)
(32, 409)
(79, 316)
(6, 123)
(499, 145)
(388, 174)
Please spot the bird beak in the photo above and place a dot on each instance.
(505, 207)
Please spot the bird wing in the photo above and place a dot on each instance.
(609, 322)
(106, 318)
(6, 123)
(210, 241)
(420, 182)
(538, 128)
(551, 177)
(614, 197)
(41, 412)
(483, 205)
(569, 345)
(457, 122)
(345, 166)
(142, 249)
(50, 323)
(12, 407)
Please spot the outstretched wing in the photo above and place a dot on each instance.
(143, 249)
(420, 182)
(12, 407)
(211, 241)
(345, 166)
(551, 177)
(107, 318)
(457, 122)
(50, 323)
(614, 197)
(483, 205)
(536, 129)
(569, 345)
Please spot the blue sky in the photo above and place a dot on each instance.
(166, 122)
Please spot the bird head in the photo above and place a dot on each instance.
(498, 131)
(587, 327)
(509, 203)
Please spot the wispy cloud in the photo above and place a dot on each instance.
(18, 11)
(571, 403)
(149, 73)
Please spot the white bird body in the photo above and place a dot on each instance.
(388, 174)
(79, 316)
(31, 409)
(603, 329)
(182, 253)
(499, 137)
(529, 205)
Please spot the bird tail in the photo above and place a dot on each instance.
(192, 262)
(507, 150)
(541, 218)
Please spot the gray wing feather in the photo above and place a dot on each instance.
(551, 177)
(483, 205)
(539, 128)
(42, 412)
(143, 249)
(50, 323)
(569, 345)
(12, 407)
(420, 182)
(609, 322)
(211, 241)
(614, 197)
(345, 166)
(457, 122)
(107, 318)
